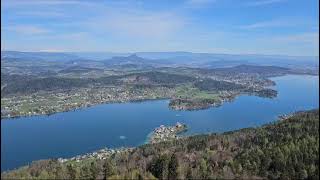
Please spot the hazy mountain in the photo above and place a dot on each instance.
(207, 60)
(49, 56)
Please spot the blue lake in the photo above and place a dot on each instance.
(68, 134)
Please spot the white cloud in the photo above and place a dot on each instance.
(41, 14)
(281, 22)
(160, 25)
(267, 24)
(130, 26)
(51, 50)
(2, 45)
(27, 29)
(17, 3)
(299, 44)
(71, 37)
(195, 2)
(137, 23)
(309, 38)
(111, 18)
(264, 2)
(198, 3)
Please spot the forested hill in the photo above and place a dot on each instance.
(286, 149)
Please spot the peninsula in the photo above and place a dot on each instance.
(187, 88)
(167, 133)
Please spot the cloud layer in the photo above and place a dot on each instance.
(191, 25)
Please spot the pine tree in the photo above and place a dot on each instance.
(203, 170)
(159, 167)
(72, 172)
(173, 167)
(108, 169)
(85, 173)
(94, 170)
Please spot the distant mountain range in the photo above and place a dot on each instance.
(206, 60)
(50, 56)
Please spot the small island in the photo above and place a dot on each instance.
(166, 133)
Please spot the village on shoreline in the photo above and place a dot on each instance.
(159, 134)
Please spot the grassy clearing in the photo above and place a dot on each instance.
(193, 93)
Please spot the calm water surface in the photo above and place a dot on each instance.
(115, 125)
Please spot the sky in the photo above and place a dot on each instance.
(284, 27)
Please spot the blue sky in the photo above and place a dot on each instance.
(289, 27)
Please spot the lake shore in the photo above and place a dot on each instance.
(136, 120)
(176, 104)
(159, 134)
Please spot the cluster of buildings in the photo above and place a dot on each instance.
(286, 116)
(52, 102)
(165, 133)
(101, 154)
(248, 80)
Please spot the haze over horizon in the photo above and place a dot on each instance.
(268, 27)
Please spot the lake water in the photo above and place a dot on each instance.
(68, 134)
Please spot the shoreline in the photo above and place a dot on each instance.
(81, 108)
(125, 156)
(139, 99)
(177, 135)
(181, 108)
(171, 107)
(106, 152)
